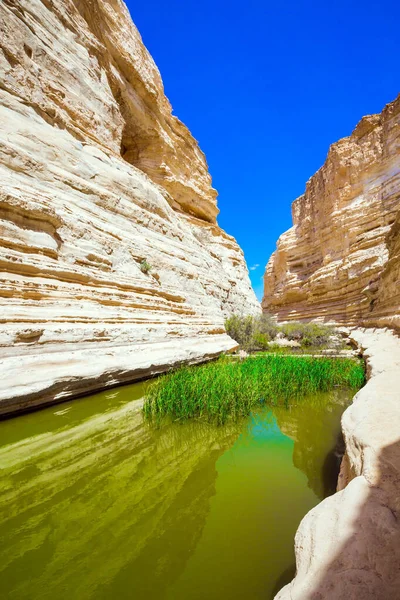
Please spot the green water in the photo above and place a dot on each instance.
(96, 504)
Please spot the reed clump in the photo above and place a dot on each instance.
(230, 388)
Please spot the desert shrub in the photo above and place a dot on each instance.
(266, 325)
(254, 333)
(293, 331)
(261, 340)
(145, 267)
(316, 334)
(251, 333)
(309, 334)
(241, 329)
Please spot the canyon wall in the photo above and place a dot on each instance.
(340, 262)
(97, 176)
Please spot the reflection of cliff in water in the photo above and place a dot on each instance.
(314, 425)
(110, 478)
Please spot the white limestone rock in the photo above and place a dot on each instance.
(96, 175)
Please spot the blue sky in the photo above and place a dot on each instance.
(266, 87)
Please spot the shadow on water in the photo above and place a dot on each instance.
(331, 466)
(362, 542)
(283, 579)
(318, 452)
(318, 441)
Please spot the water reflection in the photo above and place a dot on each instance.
(95, 504)
(318, 444)
(81, 508)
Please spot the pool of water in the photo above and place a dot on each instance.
(94, 503)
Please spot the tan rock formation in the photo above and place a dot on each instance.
(96, 175)
(340, 262)
(349, 545)
(341, 259)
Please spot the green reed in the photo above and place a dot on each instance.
(230, 388)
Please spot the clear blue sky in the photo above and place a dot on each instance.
(266, 87)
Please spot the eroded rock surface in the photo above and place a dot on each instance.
(96, 175)
(341, 259)
(349, 545)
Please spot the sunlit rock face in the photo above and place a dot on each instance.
(340, 262)
(341, 259)
(96, 175)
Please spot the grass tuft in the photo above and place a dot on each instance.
(230, 389)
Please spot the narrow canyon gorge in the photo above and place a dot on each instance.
(98, 178)
(114, 268)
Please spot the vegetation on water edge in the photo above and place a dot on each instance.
(256, 333)
(229, 389)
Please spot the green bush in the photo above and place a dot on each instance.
(293, 331)
(317, 335)
(251, 333)
(308, 334)
(241, 329)
(254, 333)
(267, 326)
(261, 340)
(145, 267)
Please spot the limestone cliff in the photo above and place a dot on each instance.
(340, 262)
(341, 259)
(96, 175)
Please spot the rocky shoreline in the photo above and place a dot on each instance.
(349, 545)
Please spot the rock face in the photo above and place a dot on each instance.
(341, 259)
(349, 545)
(340, 262)
(96, 175)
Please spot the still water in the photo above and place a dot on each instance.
(94, 503)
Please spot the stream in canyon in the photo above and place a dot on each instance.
(95, 503)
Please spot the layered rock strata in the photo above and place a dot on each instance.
(97, 176)
(349, 545)
(340, 261)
